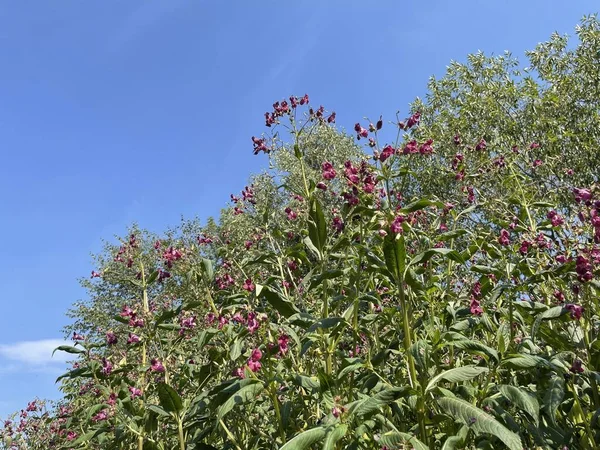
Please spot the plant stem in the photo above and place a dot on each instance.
(180, 434)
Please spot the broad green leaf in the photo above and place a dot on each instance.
(157, 409)
(306, 439)
(551, 313)
(169, 398)
(376, 402)
(312, 247)
(555, 392)
(68, 349)
(428, 254)
(334, 435)
(244, 395)
(398, 439)
(420, 204)
(476, 347)
(394, 252)
(478, 421)
(281, 304)
(317, 226)
(522, 399)
(525, 362)
(309, 383)
(457, 375)
(458, 441)
(209, 271)
(326, 323)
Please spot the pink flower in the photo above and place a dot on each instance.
(127, 312)
(252, 323)
(239, 372)
(576, 367)
(256, 355)
(248, 285)
(95, 274)
(78, 337)
(71, 436)
(329, 172)
(291, 215)
(537, 163)
(133, 338)
(387, 151)
(106, 366)
(396, 226)
(304, 100)
(360, 131)
(504, 238)
(111, 338)
(156, 365)
(322, 186)
(481, 145)
(135, 392)
(413, 120)
(331, 118)
(524, 247)
(283, 341)
(582, 195)
(102, 415)
(254, 366)
(576, 311)
(338, 224)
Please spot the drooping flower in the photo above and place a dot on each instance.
(111, 338)
(156, 365)
(328, 171)
(283, 341)
(575, 310)
(396, 225)
(291, 214)
(135, 392)
(504, 238)
(102, 415)
(133, 338)
(387, 151)
(248, 285)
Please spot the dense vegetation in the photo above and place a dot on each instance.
(439, 290)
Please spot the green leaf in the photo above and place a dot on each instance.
(555, 393)
(369, 404)
(337, 433)
(209, 272)
(244, 395)
(420, 204)
(458, 441)
(68, 349)
(169, 398)
(152, 278)
(428, 254)
(551, 313)
(397, 439)
(312, 247)
(478, 421)
(476, 347)
(525, 362)
(394, 252)
(158, 410)
(326, 323)
(523, 399)
(309, 383)
(305, 439)
(317, 226)
(457, 375)
(284, 306)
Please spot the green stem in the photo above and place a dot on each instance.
(278, 413)
(180, 434)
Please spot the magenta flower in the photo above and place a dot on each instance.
(156, 365)
(329, 172)
(111, 338)
(136, 322)
(582, 195)
(291, 215)
(481, 145)
(248, 285)
(254, 366)
(78, 337)
(396, 226)
(106, 366)
(387, 151)
(239, 372)
(524, 247)
(256, 355)
(537, 163)
(304, 100)
(252, 323)
(576, 311)
(71, 436)
(411, 148)
(360, 131)
(31, 406)
(476, 308)
(504, 238)
(338, 224)
(337, 412)
(413, 120)
(426, 148)
(95, 274)
(322, 186)
(331, 118)
(127, 312)
(102, 415)
(133, 338)
(135, 392)
(577, 366)
(283, 341)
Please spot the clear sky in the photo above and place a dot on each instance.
(117, 111)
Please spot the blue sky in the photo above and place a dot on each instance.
(119, 111)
